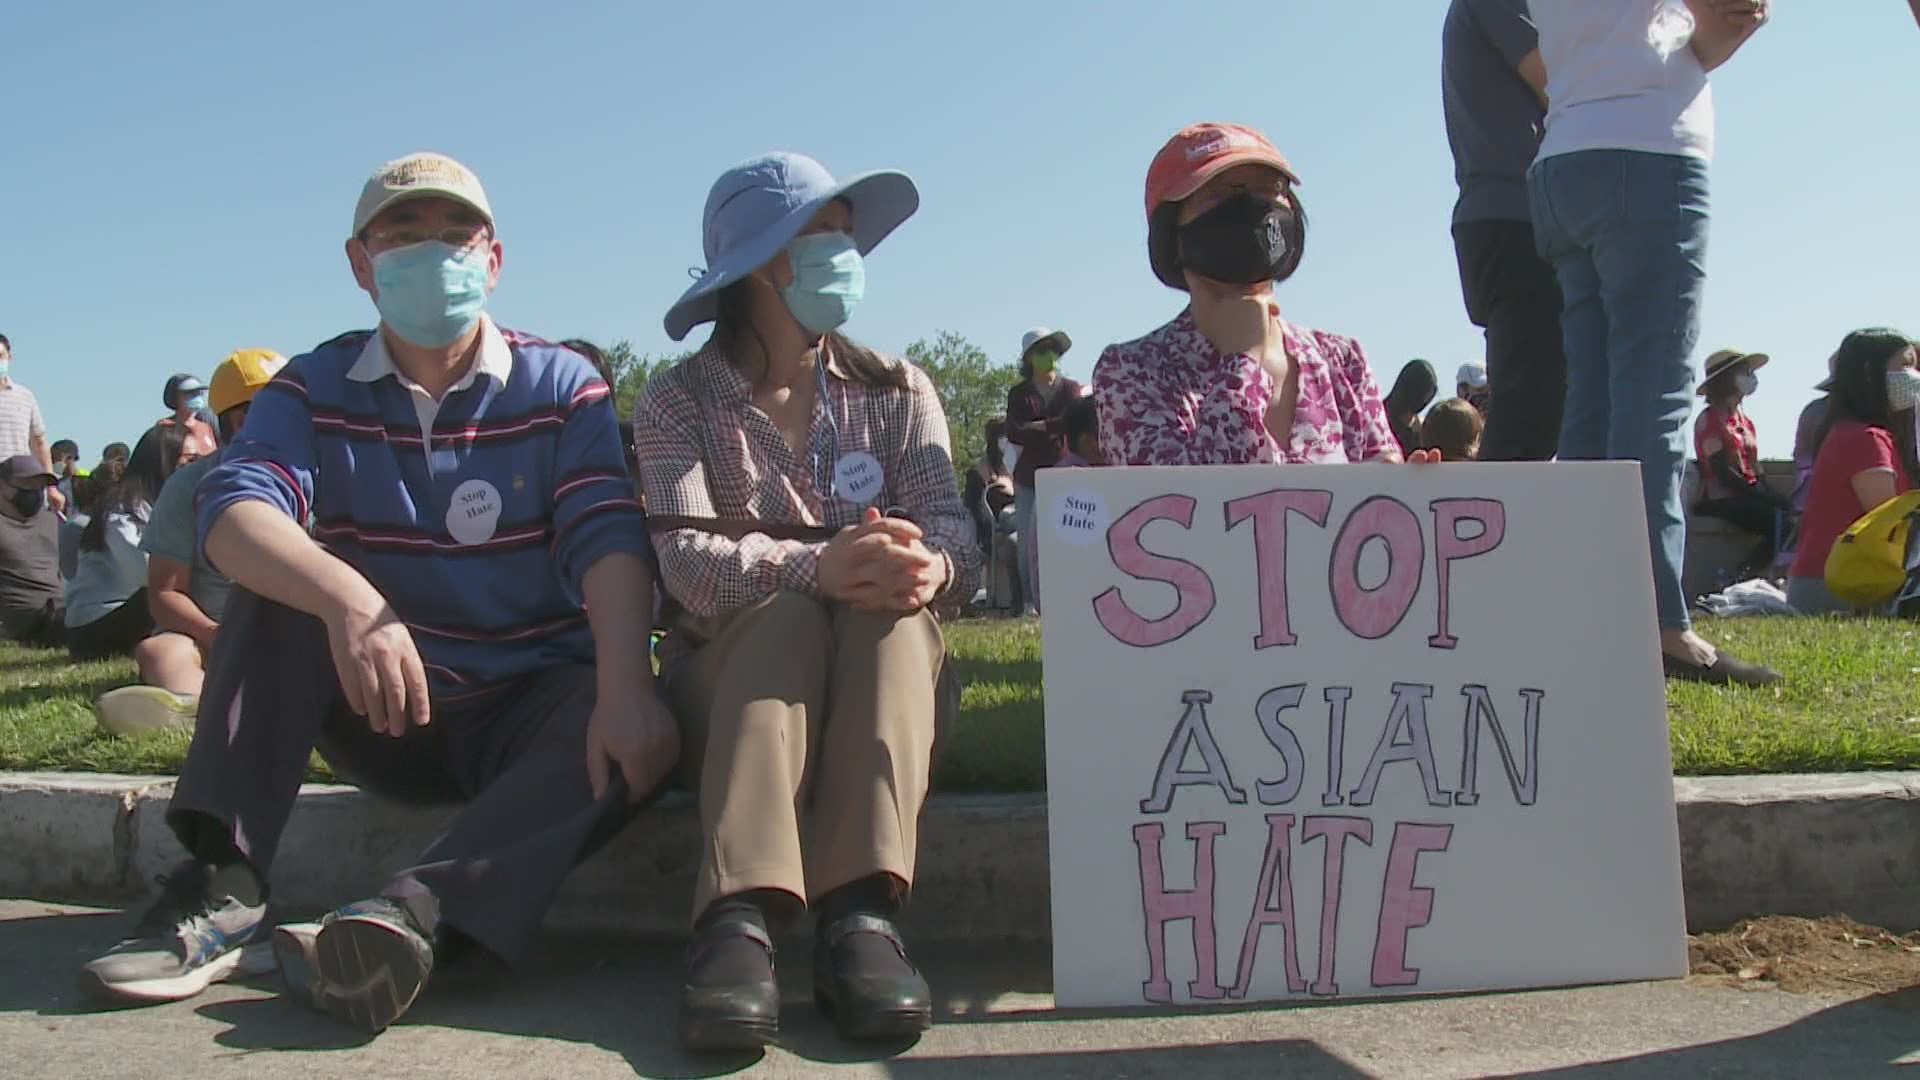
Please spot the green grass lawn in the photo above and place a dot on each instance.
(1851, 702)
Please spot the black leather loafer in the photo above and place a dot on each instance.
(865, 1006)
(742, 1016)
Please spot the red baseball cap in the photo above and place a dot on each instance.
(1200, 152)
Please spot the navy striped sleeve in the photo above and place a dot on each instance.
(595, 511)
(271, 461)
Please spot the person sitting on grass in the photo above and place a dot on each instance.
(1727, 453)
(474, 542)
(988, 495)
(107, 613)
(32, 602)
(1452, 430)
(185, 594)
(1863, 455)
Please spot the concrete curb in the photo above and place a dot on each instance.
(1768, 845)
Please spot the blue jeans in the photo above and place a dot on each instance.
(1029, 539)
(1626, 233)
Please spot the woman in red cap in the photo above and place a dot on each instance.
(1230, 381)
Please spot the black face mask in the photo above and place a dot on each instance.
(28, 501)
(1242, 241)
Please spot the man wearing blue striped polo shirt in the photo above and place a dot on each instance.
(431, 533)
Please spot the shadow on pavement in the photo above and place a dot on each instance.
(52, 948)
(621, 995)
(1856, 1038)
(1295, 1059)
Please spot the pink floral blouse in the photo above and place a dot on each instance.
(1171, 398)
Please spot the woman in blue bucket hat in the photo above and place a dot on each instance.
(802, 497)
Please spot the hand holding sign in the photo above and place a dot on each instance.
(880, 565)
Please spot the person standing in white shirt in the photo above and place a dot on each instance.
(1618, 196)
(22, 431)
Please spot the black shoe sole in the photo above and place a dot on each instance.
(1729, 673)
(721, 1034)
(873, 1025)
(370, 973)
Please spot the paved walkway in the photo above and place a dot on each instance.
(595, 1007)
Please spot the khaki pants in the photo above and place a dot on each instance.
(802, 713)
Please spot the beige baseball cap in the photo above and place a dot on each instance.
(417, 176)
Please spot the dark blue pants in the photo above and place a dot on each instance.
(514, 756)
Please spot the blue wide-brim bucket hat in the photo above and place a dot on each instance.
(757, 207)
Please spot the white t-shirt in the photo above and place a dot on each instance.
(1621, 76)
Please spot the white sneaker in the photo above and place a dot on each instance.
(137, 710)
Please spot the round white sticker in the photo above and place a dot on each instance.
(474, 513)
(857, 478)
(1080, 517)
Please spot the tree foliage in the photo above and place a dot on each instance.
(631, 370)
(973, 389)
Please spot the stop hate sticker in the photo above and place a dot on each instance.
(857, 477)
(473, 515)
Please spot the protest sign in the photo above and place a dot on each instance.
(1337, 731)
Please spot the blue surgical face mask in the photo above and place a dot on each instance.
(197, 402)
(431, 293)
(6, 367)
(828, 280)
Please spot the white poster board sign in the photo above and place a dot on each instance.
(1344, 731)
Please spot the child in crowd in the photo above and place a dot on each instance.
(1080, 424)
(1453, 428)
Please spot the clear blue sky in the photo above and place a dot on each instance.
(177, 179)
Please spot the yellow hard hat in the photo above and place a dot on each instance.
(239, 376)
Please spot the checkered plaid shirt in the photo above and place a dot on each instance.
(707, 452)
(19, 420)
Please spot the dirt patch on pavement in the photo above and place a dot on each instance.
(1808, 956)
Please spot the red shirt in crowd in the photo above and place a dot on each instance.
(1033, 424)
(1851, 448)
(1730, 432)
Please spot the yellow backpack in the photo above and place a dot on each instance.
(1868, 564)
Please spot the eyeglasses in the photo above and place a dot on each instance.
(460, 237)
